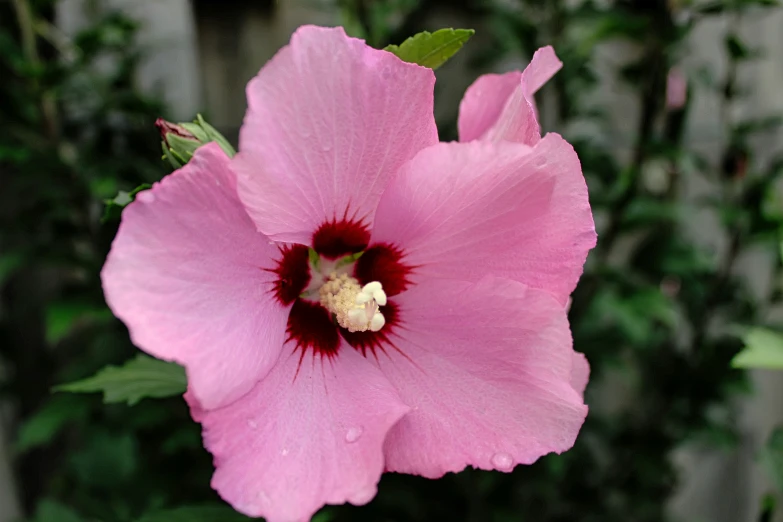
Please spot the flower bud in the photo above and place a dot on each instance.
(180, 140)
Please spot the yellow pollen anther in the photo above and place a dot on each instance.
(356, 308)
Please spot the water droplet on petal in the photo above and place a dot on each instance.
(353, 434)
(252, 424)
(284, 452)
(502, 461)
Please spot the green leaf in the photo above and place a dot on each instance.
(207, 513)
(9, 263)
(106, 460)
(431, 49)
(767, 509)
(136, 379)
(736, 47)
(114, 206)
(53, 511)
(772, 456)
(214, 135)
(45, 424)
(763, 349)
(62, 318)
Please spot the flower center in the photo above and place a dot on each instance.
(356, 308)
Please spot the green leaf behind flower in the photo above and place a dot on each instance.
(763, 349)
(53, 511)
(49, 421)
(431, 49)
(208, 513)
(115, 205)
(137, 379)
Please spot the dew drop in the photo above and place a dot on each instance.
(502, 461)
(353, 434)
(284, 452)
(252, 424)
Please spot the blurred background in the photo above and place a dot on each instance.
(674, 107)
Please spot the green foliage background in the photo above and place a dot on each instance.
(73, 133)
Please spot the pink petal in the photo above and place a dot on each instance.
(517, 121)
(311, 433)
(502, 107)
(483, 103)
(540, 70)
(486, 369)
(330, 121)
(465, 210)
(186, 273)
(580, 373)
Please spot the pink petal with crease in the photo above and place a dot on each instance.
(501, 106)
(330, 121)
(186, 274)
(466, 210)
(483, 103)
(486, 369)
(311, 433)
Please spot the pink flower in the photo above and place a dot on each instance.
(445, 344)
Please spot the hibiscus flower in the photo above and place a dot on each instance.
(349, 296)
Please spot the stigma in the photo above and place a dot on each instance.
(356, 308)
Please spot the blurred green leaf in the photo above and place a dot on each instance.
(759, 3)
(736, 47)
(772, 456)
(763, 349)
(206, 513)
(52, 511)
(62, 318)
(137, 379)
(8, 264)
(115, 206)
(210, 513)
(46, 423)
(106, 460)
(644, 212)
(431, 49)
(765, 124)
(768, 505)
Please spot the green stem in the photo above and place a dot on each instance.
(27, 30)
(24, 18)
